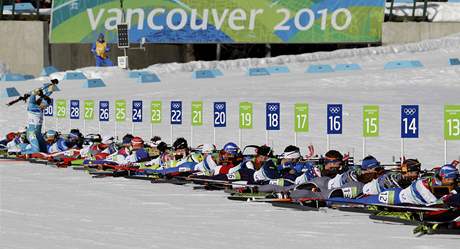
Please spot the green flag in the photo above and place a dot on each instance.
(371, 121)
(246, 115)
(301, 117)
(452, 122)
(120, 110)
(155, 112)
(89, 109)
(61, 108)
(197, 113)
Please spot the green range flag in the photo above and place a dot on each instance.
(155, 112)
(89, 109)
(452, 122)
(197, 113)
(246, 115)
(301, 117)
(61, 108)
(371, 121)
(120, 110)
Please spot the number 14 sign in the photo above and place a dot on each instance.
(409, 121)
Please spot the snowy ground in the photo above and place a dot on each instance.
(47, 208)
(436, 11)
(42, 207)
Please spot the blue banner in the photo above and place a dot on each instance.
(220, 114)
(104, 111)
(176, 112)
(137, 111)
(334, 119)
(272, 117)
(48, 112)
(409, 121)
(75, 109)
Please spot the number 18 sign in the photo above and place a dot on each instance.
(409, 121)
(334, 119)
(273, 117)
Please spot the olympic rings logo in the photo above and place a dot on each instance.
(410, 111)
(176, 105)
(104, 104)
(137, 104)
(272, 108)
(335, 110)
(74, 103)
(220, 107)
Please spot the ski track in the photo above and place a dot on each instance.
(42, 207)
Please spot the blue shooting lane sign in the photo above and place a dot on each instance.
(410, 121)
(75, 109)
(334, 119)
(220, 114)
(104, 111)
(137, 111)
(272, 117)
(176, 112)
(48, 112)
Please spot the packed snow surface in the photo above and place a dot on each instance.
(42, 207)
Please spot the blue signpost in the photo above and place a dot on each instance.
(409, 124)
(176, 116)
(334, 121)
(220, 117)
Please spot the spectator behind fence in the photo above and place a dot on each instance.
(100, 50)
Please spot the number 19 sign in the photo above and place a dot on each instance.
(334, 119)
(246, 115)
(409, 121)
(273, 117)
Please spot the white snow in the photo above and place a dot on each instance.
(436, 11)
(42, 207)
(3, 68)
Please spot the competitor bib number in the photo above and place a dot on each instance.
(246, 115)
(452, 122)
(273, 116)
(409, 121)
(137, 111)
(220, 114)
(104, 111)
(74, 109)
(176, 112)
(155, 112)
(334, 119)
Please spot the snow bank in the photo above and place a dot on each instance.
(3, 68)
(437, 12)
(449, 42)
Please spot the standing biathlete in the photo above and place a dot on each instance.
(39, 100)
